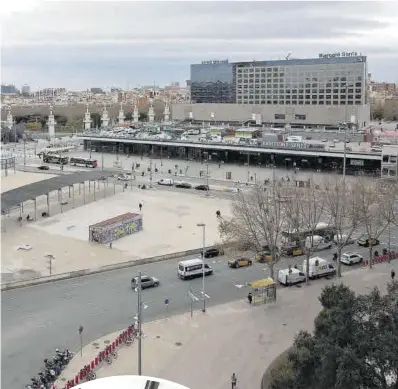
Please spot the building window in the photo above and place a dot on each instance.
(300, 117)
(349, 102)
(335, 102)
(358, 97)
(314, 102)
(342, 102)
(314, 97)
(300, 102)
(275, 102)
(358, 102)
(307, 102)
(328, 97)
(279, 116)
(321, 103)
(328, 102)
(294, 102)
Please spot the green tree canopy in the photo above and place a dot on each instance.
(354, 344)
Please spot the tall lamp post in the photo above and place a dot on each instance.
(345, 149)
(203, 225)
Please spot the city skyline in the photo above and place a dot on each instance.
(103, 44)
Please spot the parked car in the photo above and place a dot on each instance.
(239, 262)
(365, 241)
(184, 185)
(202, 187)
(146, 282)
(292, 250)
(351, 258)
(213, 252)
(166, 182)
(43, 167)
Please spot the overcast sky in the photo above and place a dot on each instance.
(79, 45)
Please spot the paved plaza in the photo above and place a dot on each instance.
(203, 351)
(169, 225)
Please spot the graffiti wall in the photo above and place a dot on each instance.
(116, 228)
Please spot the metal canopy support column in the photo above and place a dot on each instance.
(60, 198)
(114, 188)
(22, 206)
(35, 204)
(84, 192)
(48, 203)
(94, 192)
(89, 186)
(73, 196)
(69, 190)
(104, 189)
(20, 214)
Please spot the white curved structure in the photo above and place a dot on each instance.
(130, 382)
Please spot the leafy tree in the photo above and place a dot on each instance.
(96, 119)
(33, 126)
(354, 345)
(61, 120)
(129, 116)
(143, 117)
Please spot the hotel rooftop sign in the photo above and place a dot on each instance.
(338, 55)
(293, 145)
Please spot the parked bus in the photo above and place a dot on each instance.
(322, 229)
(55, 158)
(80, 161)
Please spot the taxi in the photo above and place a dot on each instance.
(239, 262)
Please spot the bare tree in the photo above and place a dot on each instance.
(343, 212)
(258, 218)
(369, 200)
(305, 212)
(389, 207)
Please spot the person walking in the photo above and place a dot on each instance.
(233, 381)
(250, 298)
(140, 206)
(392, 274)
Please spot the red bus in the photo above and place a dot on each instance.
(80, 161)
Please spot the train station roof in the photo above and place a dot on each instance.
(13, 198)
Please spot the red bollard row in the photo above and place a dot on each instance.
(104, 355)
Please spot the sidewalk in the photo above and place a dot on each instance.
(203, 351)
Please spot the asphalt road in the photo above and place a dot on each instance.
(38, 319)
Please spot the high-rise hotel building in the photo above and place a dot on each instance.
(332, 83)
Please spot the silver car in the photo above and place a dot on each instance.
(146, 282)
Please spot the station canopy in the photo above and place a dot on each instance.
(13, 198)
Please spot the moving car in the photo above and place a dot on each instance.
(202, 187)
(318, 267)
(213, 252)
(43, 167)
(292, 250)
(184, 185)
(365, 241)
(351, 258)
(317, 243)
(165, 181)
(290, 276)
(146, 282)
(192, 268)
(239, 262)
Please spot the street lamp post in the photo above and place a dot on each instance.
(203, 265)
(345, 150)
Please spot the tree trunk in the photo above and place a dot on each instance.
(370, 256)
(307, 266)
(271, 265)
(339, 250)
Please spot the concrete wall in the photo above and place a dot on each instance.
(318, 115)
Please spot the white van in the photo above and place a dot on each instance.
(317, 243)
(191, 268)
(319, 267)
(290, 276)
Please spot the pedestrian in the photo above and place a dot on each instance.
(140, 205)
(110, 245)
(392, 274)
(250, 298)
(233, 381)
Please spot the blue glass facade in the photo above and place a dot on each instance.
(212, 83)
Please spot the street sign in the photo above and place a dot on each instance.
(166, 302)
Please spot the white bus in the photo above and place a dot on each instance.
(80, 161)
(193, 268)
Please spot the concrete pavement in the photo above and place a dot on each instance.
(203, 351)
(38, 319)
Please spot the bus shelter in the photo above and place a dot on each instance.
(263, 291)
